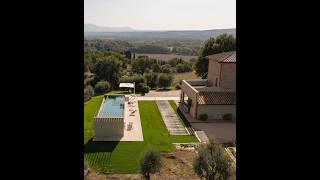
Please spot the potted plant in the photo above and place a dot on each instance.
(203, 117)
(227, 117)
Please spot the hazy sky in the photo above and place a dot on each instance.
(162, 14)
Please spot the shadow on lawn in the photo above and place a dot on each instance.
(100, 146)
(184, 119)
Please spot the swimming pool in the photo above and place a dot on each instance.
(109, 121)
(112, 107)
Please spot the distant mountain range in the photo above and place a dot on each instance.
(95, 28)
(93, 31)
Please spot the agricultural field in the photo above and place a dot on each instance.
(123, 157)
(167, 57)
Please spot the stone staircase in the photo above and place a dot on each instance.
(190, 130)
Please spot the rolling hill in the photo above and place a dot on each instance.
(126, 32)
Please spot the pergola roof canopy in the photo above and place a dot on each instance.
(127, 85)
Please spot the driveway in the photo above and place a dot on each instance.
(222, 132)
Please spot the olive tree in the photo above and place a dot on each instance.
(88, 92)
(164, 80)
(212, 162)
(150, 163)
(102, 87)
(151, 79)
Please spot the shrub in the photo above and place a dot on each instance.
(212, 162)
(88, 81)
(155, 68)
(173, 62)
(147, 70)
(102, 87)
(130, 79)
(142, 88)
(151, 79)
(203, 117)
(227, 117)
(164, 80)
(88, 92)
(145, 89)
(166, 68)
(150, 163)
(178, 86)
(183, 67)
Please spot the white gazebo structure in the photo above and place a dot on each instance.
(128, 85)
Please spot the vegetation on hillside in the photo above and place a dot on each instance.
(155, 46)
(106, 64)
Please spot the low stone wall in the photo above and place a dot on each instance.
(198, 82)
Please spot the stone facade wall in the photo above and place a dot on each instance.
(213, 73)
(228, 76)
(217, 111)
(192, 94)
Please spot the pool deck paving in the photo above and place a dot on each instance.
(135, 134)
(170, 118)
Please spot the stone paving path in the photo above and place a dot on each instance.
(170, 118)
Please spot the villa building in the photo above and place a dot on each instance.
(216, 95)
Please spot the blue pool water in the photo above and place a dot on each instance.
(113, 107)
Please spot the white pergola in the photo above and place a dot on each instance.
(128, 85)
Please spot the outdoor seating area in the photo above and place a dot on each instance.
(133, 129)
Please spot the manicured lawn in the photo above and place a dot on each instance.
(179, 114)
(123, 157)
(90, 107)
(155, 133)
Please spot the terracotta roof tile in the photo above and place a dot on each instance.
(225, 57)
(217, 98)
